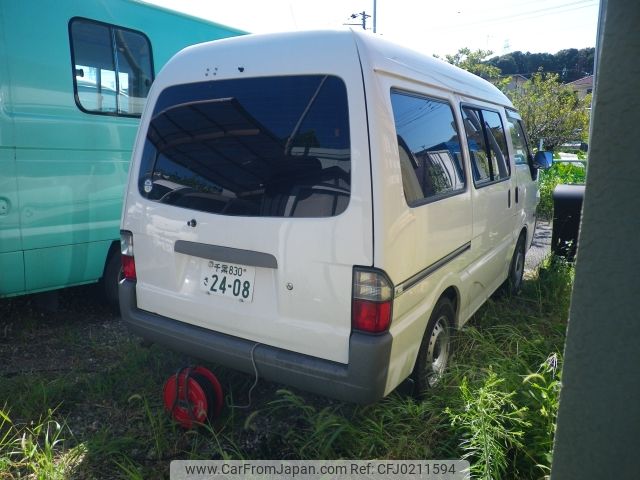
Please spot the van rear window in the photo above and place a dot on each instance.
(265, 147)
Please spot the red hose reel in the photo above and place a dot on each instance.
(193, 396)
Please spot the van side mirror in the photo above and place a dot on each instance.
(543, 160)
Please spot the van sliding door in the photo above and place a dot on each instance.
(493, 197)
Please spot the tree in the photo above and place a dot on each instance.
(571, 64)
(473, 61)
(506, 63)
(551, 111)
(567, 62)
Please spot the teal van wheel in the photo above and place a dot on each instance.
(111, 278)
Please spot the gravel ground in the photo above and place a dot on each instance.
(540, 247)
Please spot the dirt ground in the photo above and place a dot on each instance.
(33, 330)
(70, 353)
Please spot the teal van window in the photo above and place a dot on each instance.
(112, 68)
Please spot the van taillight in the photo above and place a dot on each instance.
(372, 302)
(126, 254)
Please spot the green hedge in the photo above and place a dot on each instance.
(559, 173)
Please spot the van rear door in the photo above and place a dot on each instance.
(256, 206)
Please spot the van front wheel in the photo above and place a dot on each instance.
(435, 349)
(513, 284)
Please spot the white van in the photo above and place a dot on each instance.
(326, 206)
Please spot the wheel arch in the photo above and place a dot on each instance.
(114, 249)
(453, 294)
(524, 230)
(111, 275)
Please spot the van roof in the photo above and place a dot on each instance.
(377, 54)
(390, 58)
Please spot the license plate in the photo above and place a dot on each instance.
(228, 280)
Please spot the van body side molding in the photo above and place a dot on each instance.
(226, 254)
(415, 279)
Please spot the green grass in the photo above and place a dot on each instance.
(37, 449)
(496, 405)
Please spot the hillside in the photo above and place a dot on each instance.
(569, 64)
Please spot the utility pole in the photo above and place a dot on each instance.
(363, 15)
(374, 16)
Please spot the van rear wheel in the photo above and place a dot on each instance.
(110, 279)
(435, 349)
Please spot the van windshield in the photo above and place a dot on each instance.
(267, 147)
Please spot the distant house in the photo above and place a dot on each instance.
(583, 86)
(515, 82)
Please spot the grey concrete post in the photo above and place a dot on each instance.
(598, 433)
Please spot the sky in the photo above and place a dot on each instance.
(428, 26)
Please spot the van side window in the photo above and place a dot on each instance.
(487, 145)
(112, 68)
(518, 139)
(429, 148)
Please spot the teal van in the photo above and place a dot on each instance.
(74, 76)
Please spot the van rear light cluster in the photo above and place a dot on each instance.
(372, 301)
(126, 254)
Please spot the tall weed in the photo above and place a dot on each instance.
(510, 355)
(489, 425)
(542, 396)
(397, 427)
(36, 449)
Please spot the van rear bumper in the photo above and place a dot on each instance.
(362, 380)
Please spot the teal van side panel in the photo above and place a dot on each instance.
(70, 196)
(65, 265)
(9, 207)
(11, 273)
(11, 256)
(68, 168)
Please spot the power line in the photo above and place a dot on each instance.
(547, 10)
(538, 3)
(568, 7)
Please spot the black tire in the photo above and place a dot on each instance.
(513, 283)
(110, 279)
(435, 348)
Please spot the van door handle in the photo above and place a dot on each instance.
(509, 199)
(4, 207)
(517, 192)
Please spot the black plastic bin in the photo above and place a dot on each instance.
(567, 208)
